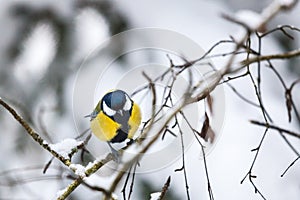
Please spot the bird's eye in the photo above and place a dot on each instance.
(128, 104)
(108, 110)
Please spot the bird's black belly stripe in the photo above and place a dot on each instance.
(120, 137)
(122, 132)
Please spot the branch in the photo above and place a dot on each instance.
(286, 170)
(165, 189)
(286, 55)
(250, 174)
(88, 171)
(35, 136)
(183, 163)
(297, 135)
(266, 15)
(156, 131)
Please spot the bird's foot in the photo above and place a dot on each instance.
(116, 155)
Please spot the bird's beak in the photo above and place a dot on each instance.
(88, 115)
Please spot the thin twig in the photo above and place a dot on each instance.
(158, 131)
(294, 134)
(282, 29)
(286, 170)
(42, 125)
(33, 134)
(165, 189)
(132, 180)
(282, 56)
(125, 183)
(196, 134)
(249, 173)
(92, 187)
(183, 164)
(96, 165)
(211, 196)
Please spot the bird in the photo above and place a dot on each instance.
(115, 118)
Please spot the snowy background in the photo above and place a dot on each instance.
(43, 45)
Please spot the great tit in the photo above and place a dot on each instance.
(115, 118)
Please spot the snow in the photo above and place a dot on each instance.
(90, 165)
(250, 18)
(65, 147)
(87, 41)
(97, 160)
(78, 169)
(286, 2)
(114, 196)
(155, 195)
(41, 42)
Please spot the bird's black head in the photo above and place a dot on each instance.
(115, 99)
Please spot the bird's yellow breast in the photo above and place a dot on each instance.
(104, 127)
(134, 120)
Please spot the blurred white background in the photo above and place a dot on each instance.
(43, 44)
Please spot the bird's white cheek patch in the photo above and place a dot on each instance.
(128, 104)
(107, 110)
